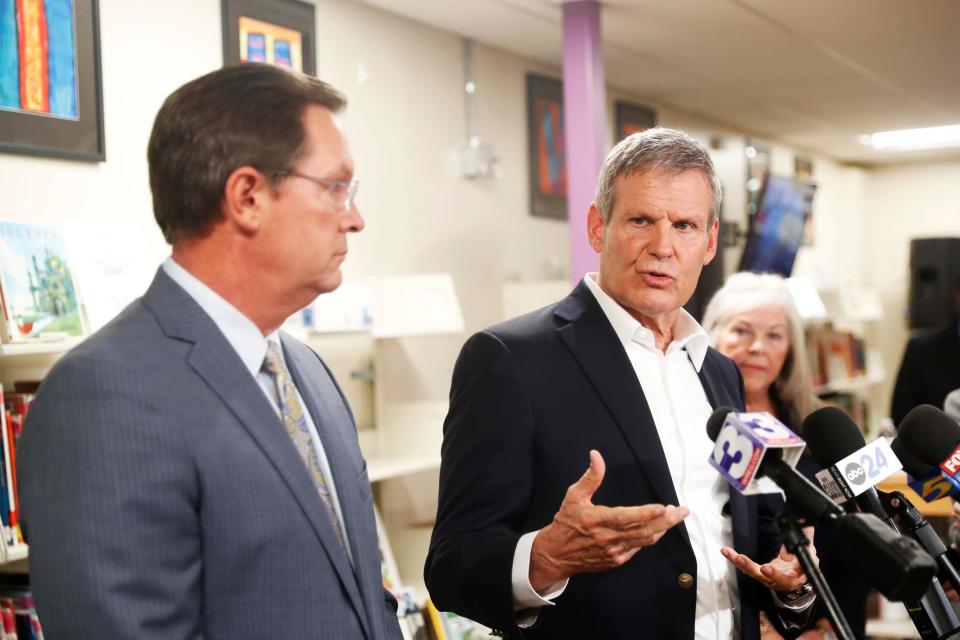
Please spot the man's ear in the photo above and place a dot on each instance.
(245, 198)
(712, 241)
(596, 228)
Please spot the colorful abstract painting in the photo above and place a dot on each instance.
(265, 42)
(552, 174)
(548, 171)
(38, 57)
(632, 118)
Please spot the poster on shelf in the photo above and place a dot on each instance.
(110, 267)
(39, 294)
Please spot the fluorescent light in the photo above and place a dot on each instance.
(907, 139)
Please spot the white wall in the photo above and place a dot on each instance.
(903, 202)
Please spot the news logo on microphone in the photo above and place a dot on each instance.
(854, 474)
(741, 445)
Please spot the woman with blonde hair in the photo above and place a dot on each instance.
(754, 321)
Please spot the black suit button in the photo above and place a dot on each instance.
(685, 581)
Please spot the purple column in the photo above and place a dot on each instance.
(585, 123)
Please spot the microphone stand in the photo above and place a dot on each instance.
(796, 543)
(933, 615)
(896, 504)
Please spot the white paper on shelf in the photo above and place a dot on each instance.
(111, 267)
(805, 296)
(416, 305)
(348, 308)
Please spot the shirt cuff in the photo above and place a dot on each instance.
(526, 601)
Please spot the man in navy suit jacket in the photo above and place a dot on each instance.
(190, 472)
(619, 377)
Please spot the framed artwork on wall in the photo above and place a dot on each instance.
(281, 32)
(632, 118)
(547, 153)
(50, 85)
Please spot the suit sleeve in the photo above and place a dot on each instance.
(485, 486)
(110, 497)
(908, 391)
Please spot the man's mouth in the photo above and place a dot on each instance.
(656, 278)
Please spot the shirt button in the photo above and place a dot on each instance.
(685, 581)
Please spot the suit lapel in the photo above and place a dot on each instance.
(216, 362)
(338, 435)
(594, 344)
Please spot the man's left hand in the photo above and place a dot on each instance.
(782, 574)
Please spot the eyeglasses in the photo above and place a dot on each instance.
(342, 192)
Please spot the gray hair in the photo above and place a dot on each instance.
(656, 148)
(745, 291)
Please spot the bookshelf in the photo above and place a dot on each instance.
(846, 369)
(392, 353)
(26, 361)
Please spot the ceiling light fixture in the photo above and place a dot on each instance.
(912, 139)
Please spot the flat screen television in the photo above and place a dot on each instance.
(776, 230)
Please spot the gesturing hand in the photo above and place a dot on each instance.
(587, 538)
(783, 573)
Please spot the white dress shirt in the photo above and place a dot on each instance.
(680, 409)
(251, 345)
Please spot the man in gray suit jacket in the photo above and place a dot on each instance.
(189, 471)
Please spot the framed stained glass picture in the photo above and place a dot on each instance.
(280, 32)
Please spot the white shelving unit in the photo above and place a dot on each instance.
(42, 347)
(27, 361)
(13, 553)
(878, 628)
(389, 467)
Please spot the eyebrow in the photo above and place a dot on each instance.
(779, 325)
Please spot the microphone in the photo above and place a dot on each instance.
(894, 565)
(849, 463)
(926, 480)
(744, 441)
(931, 436)
(837, 443)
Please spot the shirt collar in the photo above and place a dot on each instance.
(687, 332)
(242, 334)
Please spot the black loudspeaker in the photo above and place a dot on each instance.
(934, 277)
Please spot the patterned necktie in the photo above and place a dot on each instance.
(291, 412)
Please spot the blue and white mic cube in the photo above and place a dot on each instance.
(741, 445)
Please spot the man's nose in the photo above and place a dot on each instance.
(660, 244)
(352, 220)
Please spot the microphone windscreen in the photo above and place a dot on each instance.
(910, 464)
(928, 434)
(716, 420)
(831, 436)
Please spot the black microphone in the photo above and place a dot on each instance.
(832, 436)
(929, 435)
(894, 565)
(910, 463)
